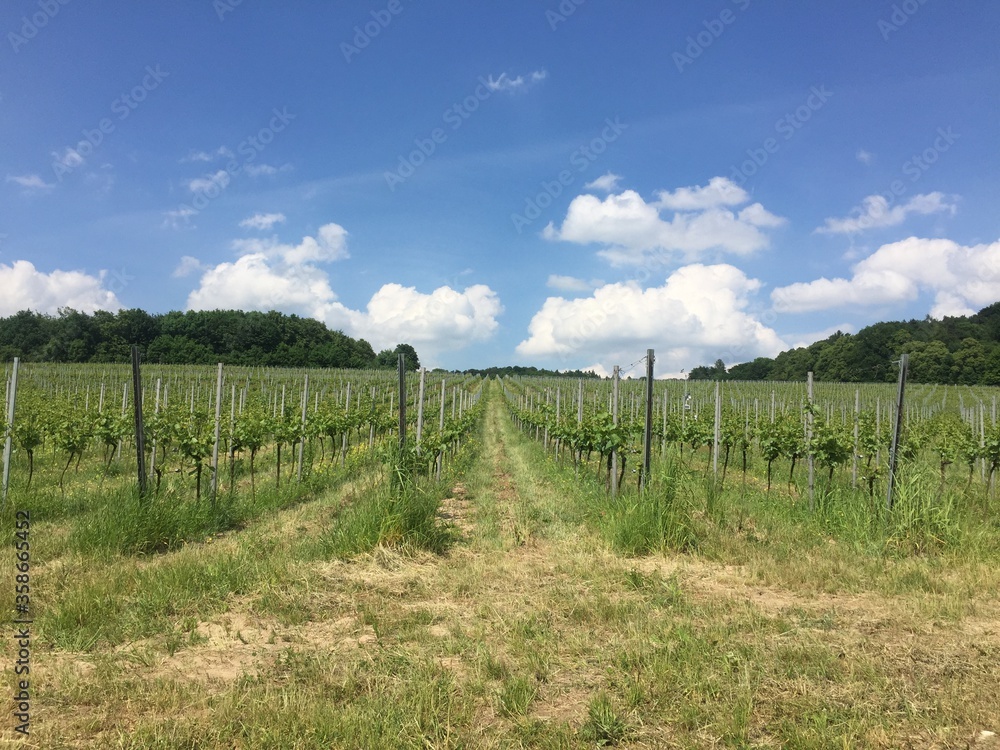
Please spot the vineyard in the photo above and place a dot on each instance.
(274, 437)
(497, 564)
(830, 450)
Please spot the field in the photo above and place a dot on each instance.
(518, 594)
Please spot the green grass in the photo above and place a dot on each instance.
(359, 617)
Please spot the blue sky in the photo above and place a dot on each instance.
(563, 184)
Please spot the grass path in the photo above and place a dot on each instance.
(529, 632)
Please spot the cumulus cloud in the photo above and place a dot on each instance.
(634, 231)
(27, 288)
(31, 183)
(865, 157)
(701, 313)
(876, 213)
(444, 319)
(270, 275)
(607, 183)
(262, 221)
(961, 278)
(720, 191)
(188, 266)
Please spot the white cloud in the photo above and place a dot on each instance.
(262, 221)
(444, 319)
(270, 275)
(865, 157)
(876, 213)
(257, 282)
(30, 182)
(961, 278)
(700, 313)
(210, 183)
(178, 218)
(607, 183)
(720, 191)
(634, 231)
(506, 83)
(26, 288)
(571, 284)
(187, 266)
(329, 244)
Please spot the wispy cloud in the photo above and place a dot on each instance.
(262, 221)
(204, 156)
(607, 183)
(506, 83)
(217, 181)
(875, 212)
(32, 183)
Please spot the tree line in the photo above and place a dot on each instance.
(233, 337)
(962, 350)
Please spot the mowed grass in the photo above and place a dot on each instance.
(530, 626)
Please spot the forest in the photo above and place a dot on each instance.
(233, 337)
(954, 350)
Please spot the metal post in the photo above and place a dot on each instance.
(11, 399)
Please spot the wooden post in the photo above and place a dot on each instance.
(809, 437)
(647, 442)
(897, 429)
(302, 429)
(218, 433)
(716, 430)
(440, 456)
(11, 400)
(156, 410)
(401, 366)
(140, 437)
(857, 416)
(614, 421)
(420, 408)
